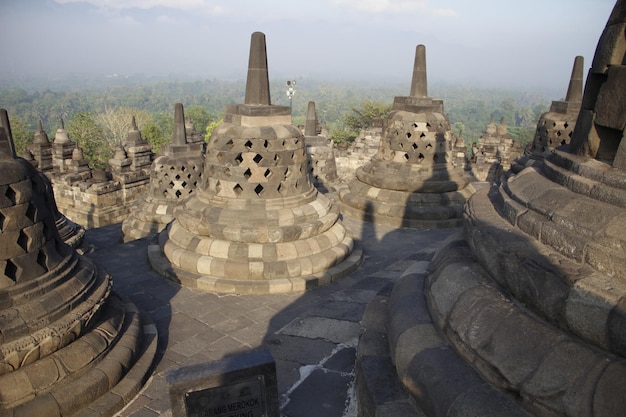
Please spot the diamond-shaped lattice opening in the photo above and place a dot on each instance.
(1, 221)
(42, 260)
(227, 172)
(178, 193)
(276, 157)
(288, 173)
(420, 157)
(218, 186)
(183, 168)
(563, 142)
(257, 158)
(429, 145)
(266, 144)
(10, 270)
(171, 184)
(10, 194)
(414, 146)
(267, 173)
(258, 189)
(184, 184)
(423, 135)
(296, 141)
(22, 240)
(237, 189)
(408, 135)
(248, 145)
(230, 144)
(406, 156)
(565, 125)
(553, 124)
(31, 212)
(247, 174)
(239, 158)
(188, 176)
(414, 125)
(177, 177)
(558, 133)
(427, 124)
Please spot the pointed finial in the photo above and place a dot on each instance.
(62, 123)
(575, 88)
(310, 126)
(257, 84)
(419, 86)
(133, 123)
(179, 136)
(7, 146)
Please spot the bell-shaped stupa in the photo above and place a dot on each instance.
(411, 181)
(256, 224)
(555, 127)
(319, 147)
(68, 344)
(174, 175)
(525, 310)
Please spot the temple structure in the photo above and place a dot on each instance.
(68, 344)
(174, 175)
(524, 310)
(323, 168)
(555, 127)
(256, 224)
(411, 181)
(494, 152)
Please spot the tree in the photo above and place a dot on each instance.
(199, 116)
(84, 130)
(362, 118)
(211, 127)
(22, 136)
(116, 122)
(154, 136)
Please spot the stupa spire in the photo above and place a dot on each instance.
(7, 146)
(575, 89)
(179, 136)
(419, 87)
(257, 84)
(310, 127)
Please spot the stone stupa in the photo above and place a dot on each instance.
(555, 127)
(174, 175)
(68, 344)
(494, 152)
(256, 224)
(319, 147)
(524, 312)
(411, 181)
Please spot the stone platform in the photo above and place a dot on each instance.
(312, 335)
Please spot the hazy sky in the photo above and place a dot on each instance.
(496, 43)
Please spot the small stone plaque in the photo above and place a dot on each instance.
(241, 385)
(243, 399)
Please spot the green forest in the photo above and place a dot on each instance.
(97, 113)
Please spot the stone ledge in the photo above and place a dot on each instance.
(161, 264)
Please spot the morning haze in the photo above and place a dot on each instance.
(521, 45)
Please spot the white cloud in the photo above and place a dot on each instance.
(124, 20)
(445, 12)
(378, 6)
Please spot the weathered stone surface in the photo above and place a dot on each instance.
(412, 166)
(59, 320)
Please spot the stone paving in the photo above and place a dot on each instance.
(312, 335)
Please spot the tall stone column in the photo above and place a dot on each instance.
(411, 181)
(174, 175)
(256, 224)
